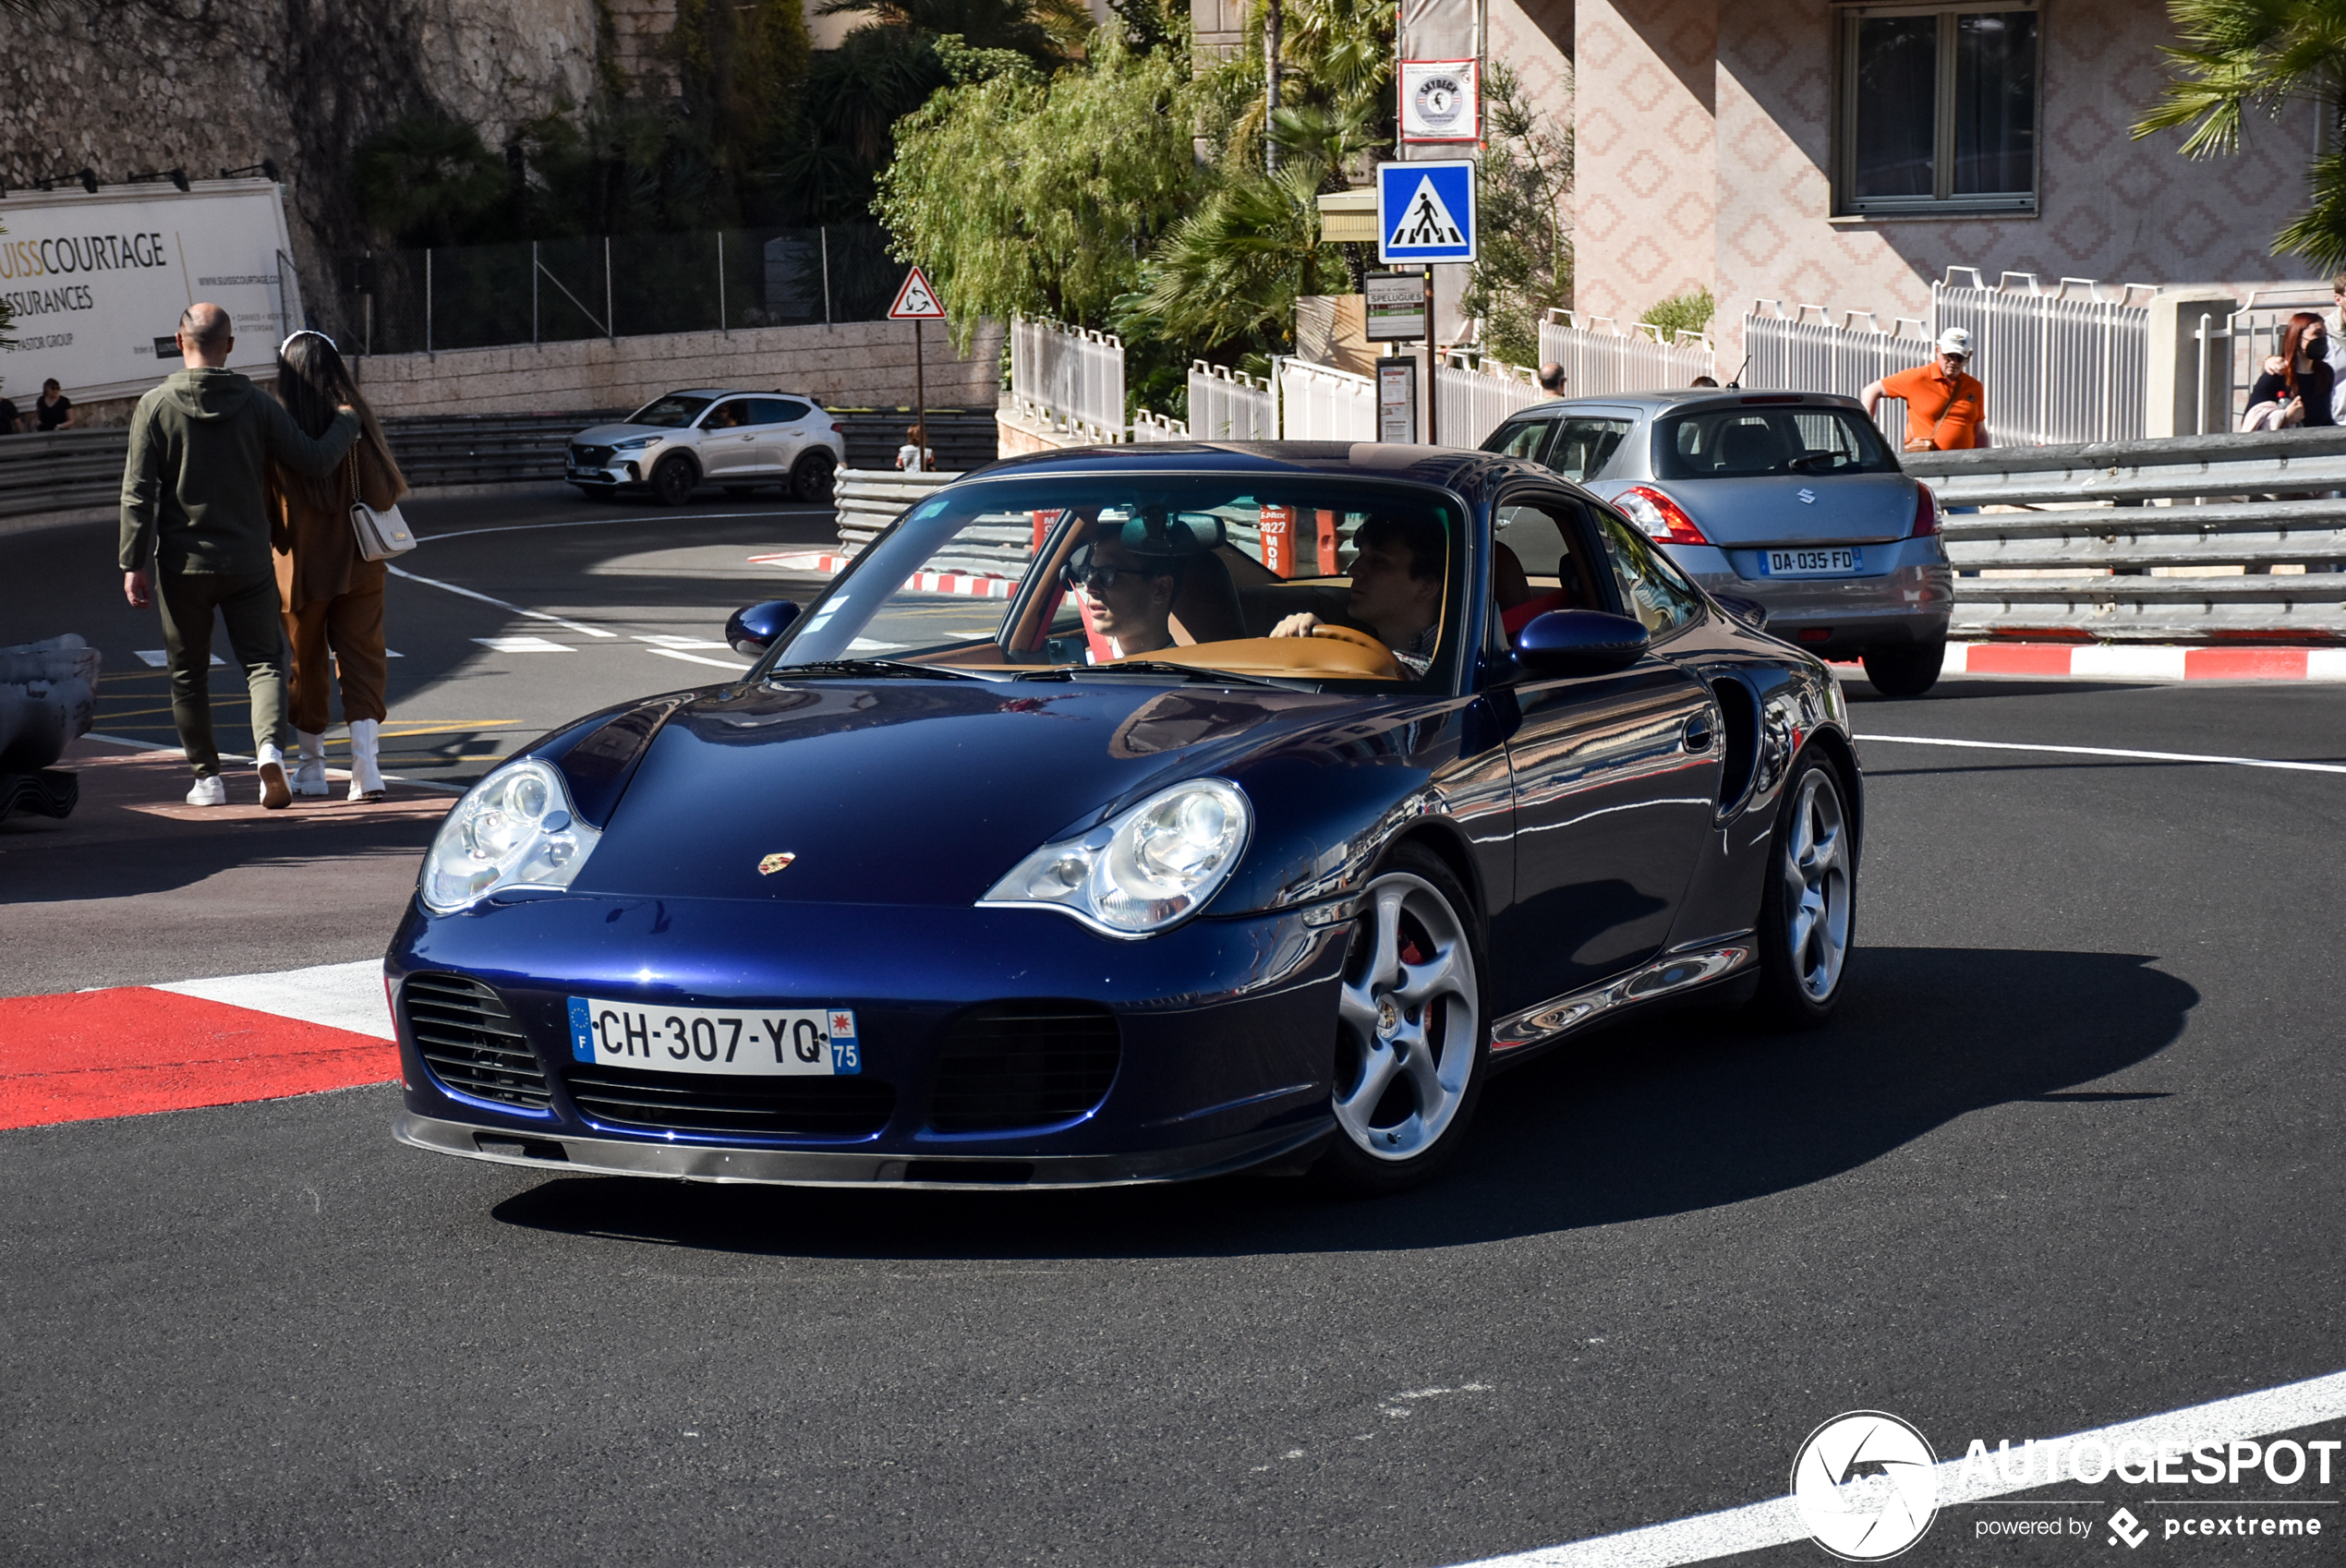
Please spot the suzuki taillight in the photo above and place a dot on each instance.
(1925, 511)
(1657, 517)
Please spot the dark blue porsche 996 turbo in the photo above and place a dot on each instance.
(1135, 815)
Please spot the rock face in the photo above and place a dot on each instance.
(48, 695)
(127, 86)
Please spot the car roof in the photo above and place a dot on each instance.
(734, 391)
(1670, 399)
(1457, 469)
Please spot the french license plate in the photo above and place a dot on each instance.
(1831, 562)
(586, 474)
(743, 1042)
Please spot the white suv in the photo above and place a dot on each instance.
(738, 439)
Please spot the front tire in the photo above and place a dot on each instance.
(1412, 1043)
(673, 480)
(1808, 912)
(1907, 671)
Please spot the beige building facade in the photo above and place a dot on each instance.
(1845, 155)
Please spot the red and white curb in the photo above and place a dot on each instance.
(975, 585)
(130, 1050)
(2122, 661)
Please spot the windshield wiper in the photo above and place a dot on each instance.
(1152, 667)
(897, 668)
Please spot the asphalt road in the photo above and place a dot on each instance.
(2072, 1153)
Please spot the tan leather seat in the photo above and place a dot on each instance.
(1206, 608)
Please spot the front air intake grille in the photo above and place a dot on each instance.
(772, 1107)
(470, 1044)
(1021, 1065)
(590, 456)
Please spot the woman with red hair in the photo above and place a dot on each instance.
(2299, 379)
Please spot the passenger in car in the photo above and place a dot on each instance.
(1128, 595)
(1396, 590)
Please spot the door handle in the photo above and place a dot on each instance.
(1695, 736)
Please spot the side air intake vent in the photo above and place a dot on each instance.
(1023, 1063)
(470, 1044)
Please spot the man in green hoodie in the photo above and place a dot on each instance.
(192, 504)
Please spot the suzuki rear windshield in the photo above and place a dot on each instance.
(1741, 443)
(1292, 579)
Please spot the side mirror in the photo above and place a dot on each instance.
(1579, 642)
(751, 631)
(1751, 612)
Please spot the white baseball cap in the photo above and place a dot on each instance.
(1956, 339)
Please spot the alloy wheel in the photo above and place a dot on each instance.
(1816, 886)
(1406, 1021)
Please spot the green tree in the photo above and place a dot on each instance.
(1045, 31)
(1527, 245)
(428, 179)
(1039, 196)
(1688, 312)
(2268, 54)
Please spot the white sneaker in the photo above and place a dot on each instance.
(276, 793)
(210, 790)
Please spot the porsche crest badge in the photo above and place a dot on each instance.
(775, 863)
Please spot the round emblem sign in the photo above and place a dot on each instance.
(1441, 102)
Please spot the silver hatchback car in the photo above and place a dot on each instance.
(739, 440)
(1793, 500)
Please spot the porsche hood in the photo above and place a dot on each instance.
(904, 791)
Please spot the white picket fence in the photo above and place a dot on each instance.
(1473, 400)
(1068, 379)
(1599, 357)
(2059, 366)
(1149, 428)
(1318, 404)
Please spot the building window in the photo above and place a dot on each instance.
(1938, 108)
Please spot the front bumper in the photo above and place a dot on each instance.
(1226, 1033)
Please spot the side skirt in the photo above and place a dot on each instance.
(1681, 969)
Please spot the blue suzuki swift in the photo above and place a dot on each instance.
(1138, 814)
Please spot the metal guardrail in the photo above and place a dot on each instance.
(2119, 520)
(79, 470)
(869, 500)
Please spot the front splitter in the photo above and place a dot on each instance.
(793, 1167)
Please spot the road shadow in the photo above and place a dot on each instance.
(1668, 1114)
(1861, 693)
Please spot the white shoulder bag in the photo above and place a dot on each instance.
(382, 535)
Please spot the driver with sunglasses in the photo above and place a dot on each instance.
(1128, 588)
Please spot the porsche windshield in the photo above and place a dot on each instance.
(1300, 579)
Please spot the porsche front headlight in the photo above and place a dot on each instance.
(1144, 872)
(514, 829)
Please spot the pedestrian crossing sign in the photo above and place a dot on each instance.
(917, 301)
(1425, 212)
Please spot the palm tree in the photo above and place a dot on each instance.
(2267, 54)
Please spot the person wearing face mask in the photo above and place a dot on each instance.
(2298, 384)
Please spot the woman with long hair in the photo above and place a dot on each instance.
(333, 595)
(2299, 381)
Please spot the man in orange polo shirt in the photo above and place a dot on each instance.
(1946, 410)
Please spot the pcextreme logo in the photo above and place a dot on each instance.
(1865, 1486)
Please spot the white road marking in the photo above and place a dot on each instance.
(338, 996)
(228, 756)
(501, 604)
(2109, 752)
(695, 659)
(156, 658)
(522, 645)
(1758, 1526)
(659, 641)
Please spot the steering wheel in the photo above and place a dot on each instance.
(1346, 635)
